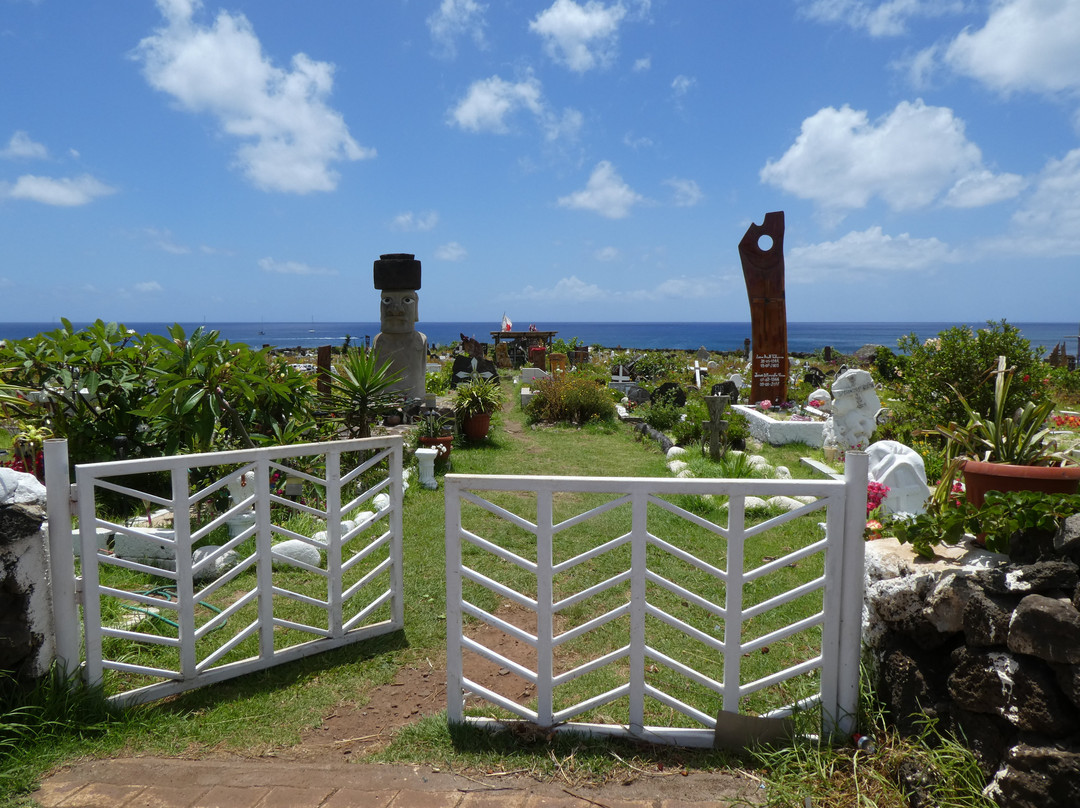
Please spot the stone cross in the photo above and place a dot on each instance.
(715, 427)
(620, 375)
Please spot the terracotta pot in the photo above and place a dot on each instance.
(476, 426)
(443, 444)
(980, 477)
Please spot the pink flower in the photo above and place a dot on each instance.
(875, 495)
(765, 404)
(873, 529)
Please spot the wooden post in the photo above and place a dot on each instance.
(763, 271)
(716, 428)
(322, 381)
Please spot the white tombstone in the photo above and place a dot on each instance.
(822, 395)
(854, 412)
(901, 468)
(735, 377)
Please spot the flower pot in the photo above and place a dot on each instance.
(980, 477)
(443, 444)
(476, 426)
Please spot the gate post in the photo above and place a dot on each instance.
(61, 554)
(856, 466)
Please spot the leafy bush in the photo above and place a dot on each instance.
(960, 360)
(656, 365)
(688, 430)
(887, 365)
(1065, 386)
(661, 415)
(570, 397)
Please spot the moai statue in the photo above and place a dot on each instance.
(397, 276)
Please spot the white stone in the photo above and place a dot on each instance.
(143, 549)
(901, 468)
(321, 535)
(754, 502)
(784, 503)
(783, 473)
(775, 432)
(381, 501)
(684, 473)
(20, 488)
(676, 451)
(220, 565)
(295, 550)
(677, 465)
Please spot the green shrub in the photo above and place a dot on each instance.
(887, 365)
(572, 398)
(960, 360)
(1065, 386)
(661, 415)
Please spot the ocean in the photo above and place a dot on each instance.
(802, 337)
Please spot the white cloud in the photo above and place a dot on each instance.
(421, 222)
(908, 158)
(148, 287)
(455, 19)
(635, 143)
(292, 268)
(687, 192)
(606, 254)
(570, 290)
(164, 241)
(681, 85)
(605, 193)
(889, 18)
(1049, 222)
(22, 147)
(290, 137)
(451, 252)
(490, 103)
(983, 188)
(580, 37)
(1025, 45)
(869, 251)
(63, 192)
(642, 64)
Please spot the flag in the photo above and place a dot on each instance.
(506, 324)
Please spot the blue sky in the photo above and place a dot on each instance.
(559, 160)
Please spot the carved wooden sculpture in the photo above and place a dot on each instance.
(763, 271)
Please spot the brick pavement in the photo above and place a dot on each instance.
(269, 783)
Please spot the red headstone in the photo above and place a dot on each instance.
(763, 270)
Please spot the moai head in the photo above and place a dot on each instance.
(397, 276)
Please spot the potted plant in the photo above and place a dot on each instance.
(435, 430)
(474, 401)
(1005, 451)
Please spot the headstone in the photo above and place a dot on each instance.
(814, 377)
(821, 395)
(854, 410)
(397, 276)
(557, 362)
(637, 394)
(737, 380)
(901, 468)
(702, 355)
(826, 353)
(763, 271)
(716, 427)
(729, 389)
(670, 392)
(322, 379)
(466, 367)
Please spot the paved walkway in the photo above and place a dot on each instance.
(269, 783)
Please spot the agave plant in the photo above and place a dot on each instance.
(360, 390)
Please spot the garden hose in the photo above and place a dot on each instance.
(168, 592)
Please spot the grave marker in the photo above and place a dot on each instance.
(763, 271)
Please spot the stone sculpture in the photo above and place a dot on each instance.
(854, 412)
(901, 468)
(397, 276)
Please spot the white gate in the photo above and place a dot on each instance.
(666, 613)
(156, 621)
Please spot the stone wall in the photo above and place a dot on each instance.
(991, 649)
(26, 641)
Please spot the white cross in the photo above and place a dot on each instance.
(698, 370)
